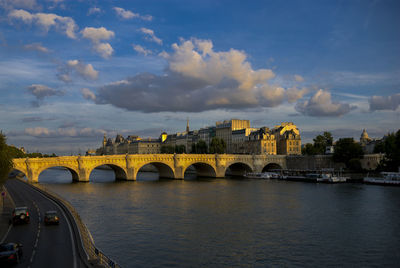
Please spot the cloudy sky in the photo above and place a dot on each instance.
(71, 71)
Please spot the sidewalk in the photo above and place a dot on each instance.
(5, 212)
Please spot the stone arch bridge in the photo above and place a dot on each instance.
(126, 167)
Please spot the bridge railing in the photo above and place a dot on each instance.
(95, 255)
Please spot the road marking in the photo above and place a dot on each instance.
(5, 236)
(33, 254)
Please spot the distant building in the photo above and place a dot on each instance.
(239, 137)
(224, 130)
(367, 144)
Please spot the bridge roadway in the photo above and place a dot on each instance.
(43, 246)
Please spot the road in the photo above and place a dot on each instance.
(43, 246)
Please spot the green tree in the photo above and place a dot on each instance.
(308, 149)
(5, 159)
(320, 144)
(217, 146)
(348, 151)
(180, 149)
(391, 149)
(322, 141)
(200, 147)
(167, 149)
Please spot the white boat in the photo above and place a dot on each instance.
(262, 175)
(388, 178)
(331, 178)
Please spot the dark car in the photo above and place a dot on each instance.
(51, 217)
(10, 253)
(20, 215)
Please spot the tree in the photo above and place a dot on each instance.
(348, 151)
(5, 159)
(200, 147)
(217, 146)
(391, 148)
(308, 149)
(167, 149)
(322, 141)
(320, 144)
(180, 149)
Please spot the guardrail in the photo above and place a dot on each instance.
(95, 255)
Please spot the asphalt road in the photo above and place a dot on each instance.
(43, 246)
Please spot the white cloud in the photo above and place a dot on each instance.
(46, 21)
(42, 91)
(150, 36)
(298, 78)
(321, 105)
(198, 78)
(142, 50)
(63, 132)
(384, 103)
(11, 4)
(127, 14)
(36, 47)
(196, 58)
(85, 70)
(37, 131)
(96, 35)
(93, 10)
(104, 49)
(293, 94)
(88, 94)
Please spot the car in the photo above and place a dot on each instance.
(51, 217)
(10, 253)
(20, 215)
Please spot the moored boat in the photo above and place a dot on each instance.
(261, 175)
(388, 178)
(331, 178)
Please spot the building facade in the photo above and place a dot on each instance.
(239, 137)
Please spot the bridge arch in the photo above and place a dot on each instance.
(119, 172)
(238, 169)
(15, 170)
(72, 170)
(271, 167)
(164, 169)
(202, 169)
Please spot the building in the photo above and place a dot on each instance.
(288, 139)
(261, 141)
(239, 137)
(225, 128)
(368, 144)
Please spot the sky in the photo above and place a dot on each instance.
(72, 71)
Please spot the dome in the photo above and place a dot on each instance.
(364, 135)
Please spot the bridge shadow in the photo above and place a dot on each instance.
(57, 175)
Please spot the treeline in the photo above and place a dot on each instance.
(8, 153)
(390, 146)
(217, 146)
(350, 152)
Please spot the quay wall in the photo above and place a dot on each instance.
(316, 162)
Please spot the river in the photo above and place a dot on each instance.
(235, 222)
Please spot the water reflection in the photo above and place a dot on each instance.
(236, 222)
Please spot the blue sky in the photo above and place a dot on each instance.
(71, 71)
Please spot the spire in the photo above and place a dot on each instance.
(187, 125)
(104, 140)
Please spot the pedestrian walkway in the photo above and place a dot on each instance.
(6, 207)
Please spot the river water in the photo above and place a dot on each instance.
(236, 222)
